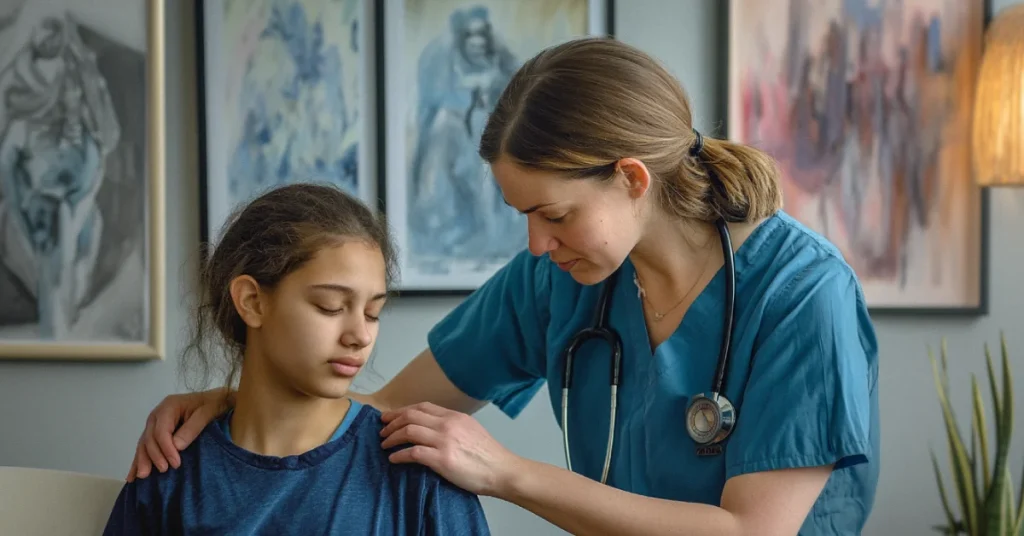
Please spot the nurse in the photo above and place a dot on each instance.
(593, 141)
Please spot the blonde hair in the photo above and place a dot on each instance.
(578, 108)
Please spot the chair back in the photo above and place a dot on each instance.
(45, 502)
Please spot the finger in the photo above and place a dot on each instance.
(420, 454)
(152, 450)
(194, 425)
(161, 436)
(415, 434)
(408, 417)
(134, 467)
(145, 466)
(424, 407)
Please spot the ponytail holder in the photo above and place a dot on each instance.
(698, 144)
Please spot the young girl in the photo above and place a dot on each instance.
(293, 292)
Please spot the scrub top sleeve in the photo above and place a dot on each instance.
(807, 401)
(492, 345)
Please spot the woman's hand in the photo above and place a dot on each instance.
(157, 446)
(453, 444)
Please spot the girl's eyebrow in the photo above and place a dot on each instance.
(347, 290)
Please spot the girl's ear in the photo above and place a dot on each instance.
(245, 293)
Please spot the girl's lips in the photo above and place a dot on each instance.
(341, 369)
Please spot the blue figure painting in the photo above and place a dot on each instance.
(284, 76)
(457, 58)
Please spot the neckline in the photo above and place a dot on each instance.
(218, 433)
(698, 315)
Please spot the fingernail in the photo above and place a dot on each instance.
(179, 443)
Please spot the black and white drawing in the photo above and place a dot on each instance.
(74, 188)
(447, 62)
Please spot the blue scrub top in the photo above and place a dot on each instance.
(803, 373)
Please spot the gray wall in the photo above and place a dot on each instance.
(86, 417)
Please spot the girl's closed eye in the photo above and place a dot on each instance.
(331, 309)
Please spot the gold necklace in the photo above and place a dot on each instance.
(641, 293)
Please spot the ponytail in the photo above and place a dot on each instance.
(722, 179)
(743, 182)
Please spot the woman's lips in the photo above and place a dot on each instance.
(567, 265)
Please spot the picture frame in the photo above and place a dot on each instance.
(441, 251)
(82, 185)
(261, 94)
(859, 165)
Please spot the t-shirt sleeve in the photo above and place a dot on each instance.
(492, 345)
(125, 517)
(453, 511)
(808, 398)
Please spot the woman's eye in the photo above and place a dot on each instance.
(372, 318)
(555, 220)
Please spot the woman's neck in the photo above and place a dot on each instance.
(673, 254)
(273, 419)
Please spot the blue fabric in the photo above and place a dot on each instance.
(803, 374)
(345, 486)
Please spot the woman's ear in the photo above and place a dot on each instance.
(245, 293)
(636, 176)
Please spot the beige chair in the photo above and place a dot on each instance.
(44, 502)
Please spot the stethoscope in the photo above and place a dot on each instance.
(710, 417)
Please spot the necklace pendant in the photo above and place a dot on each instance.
(658, 316)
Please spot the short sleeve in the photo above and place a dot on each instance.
(808, 397)
(124, 516)
(492, 345)
(452, 511)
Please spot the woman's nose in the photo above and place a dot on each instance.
(540, 241)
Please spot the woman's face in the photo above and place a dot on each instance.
(587, 227)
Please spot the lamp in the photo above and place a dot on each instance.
(998, 123)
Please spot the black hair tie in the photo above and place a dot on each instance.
(698, 144)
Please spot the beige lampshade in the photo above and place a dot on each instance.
(998, 124)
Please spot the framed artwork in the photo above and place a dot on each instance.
(283, 97)
(867, 108)
(81, 180)
(445, 64)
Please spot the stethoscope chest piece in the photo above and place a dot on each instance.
(709, 420)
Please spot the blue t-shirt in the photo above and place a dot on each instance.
(345, 486)
(803, 373)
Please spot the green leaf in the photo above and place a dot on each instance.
(958, 455)
(996, 409)
(997, 510)
(979, 416)
(1018, 525)
(942, 490)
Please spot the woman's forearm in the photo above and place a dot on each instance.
(582, 506)
(422, 380)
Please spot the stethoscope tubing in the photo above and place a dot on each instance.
(601, 330)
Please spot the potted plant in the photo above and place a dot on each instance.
(985, 502)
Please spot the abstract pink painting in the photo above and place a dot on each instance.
(866, 104)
